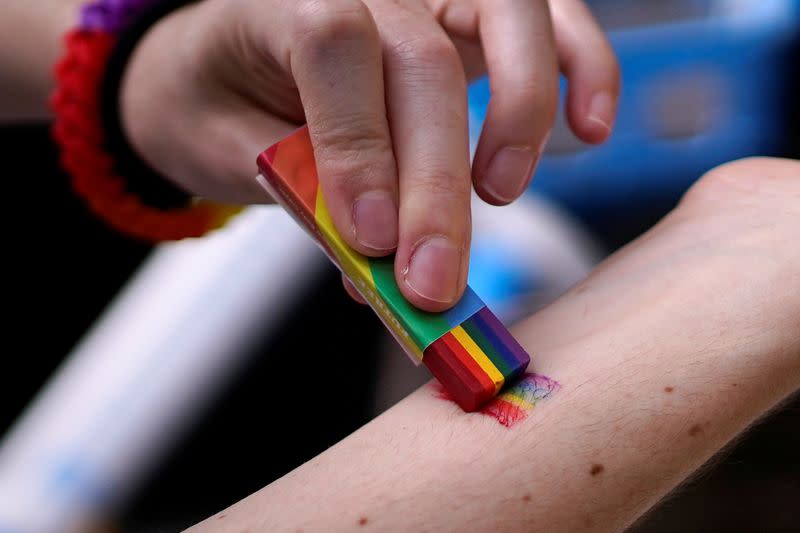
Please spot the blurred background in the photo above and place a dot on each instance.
(145, 389)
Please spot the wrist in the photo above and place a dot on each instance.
(180, 111)
(31, 35)
(117, 184)
(151, 96)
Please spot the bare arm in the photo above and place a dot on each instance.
(667, 352)
(30, 42)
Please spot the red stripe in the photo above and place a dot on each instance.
(466, 359)
(268, 155)
(506, 413)
(458, 379)
(294, 163)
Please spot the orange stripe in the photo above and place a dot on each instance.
(471, 365)
(294, 162)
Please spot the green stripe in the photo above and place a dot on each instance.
(488, 348)
(424, 328)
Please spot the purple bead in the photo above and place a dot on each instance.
(111, 16)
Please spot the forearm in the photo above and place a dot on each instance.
(665, 354)
(30, 42)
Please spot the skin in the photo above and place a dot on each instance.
(382, 85)
(30, 39)
(667, 352)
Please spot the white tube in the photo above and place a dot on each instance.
(155, 358)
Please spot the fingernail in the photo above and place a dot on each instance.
(433, 270)
(601, 110)
(375, 221)
(509, 172)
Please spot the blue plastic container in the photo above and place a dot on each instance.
(706, 84)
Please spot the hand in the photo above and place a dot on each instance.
(382, 85)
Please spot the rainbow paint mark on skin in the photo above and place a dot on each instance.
(513, 404)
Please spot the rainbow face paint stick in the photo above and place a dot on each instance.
(466, 348)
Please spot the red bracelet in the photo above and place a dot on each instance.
(78, 130)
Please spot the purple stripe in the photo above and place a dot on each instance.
(509, 342)
(514, 365)
(111, 16)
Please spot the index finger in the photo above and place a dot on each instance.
(427, 103)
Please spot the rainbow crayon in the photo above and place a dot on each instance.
(466, 348)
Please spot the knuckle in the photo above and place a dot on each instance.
(359, 138)
(440, 184)
(319, 22)
(535, 97)
(544, 92)
(539, 106)
(428, 51)
(352, 159)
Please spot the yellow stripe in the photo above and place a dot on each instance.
(516, 400)
(355, 265)
(357, 268)
(480, 357)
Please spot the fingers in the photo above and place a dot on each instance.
(588, 61)
(337, 65)
(427, 100)
(404, 183)
(521, 59)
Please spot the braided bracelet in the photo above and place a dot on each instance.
(117, 185)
